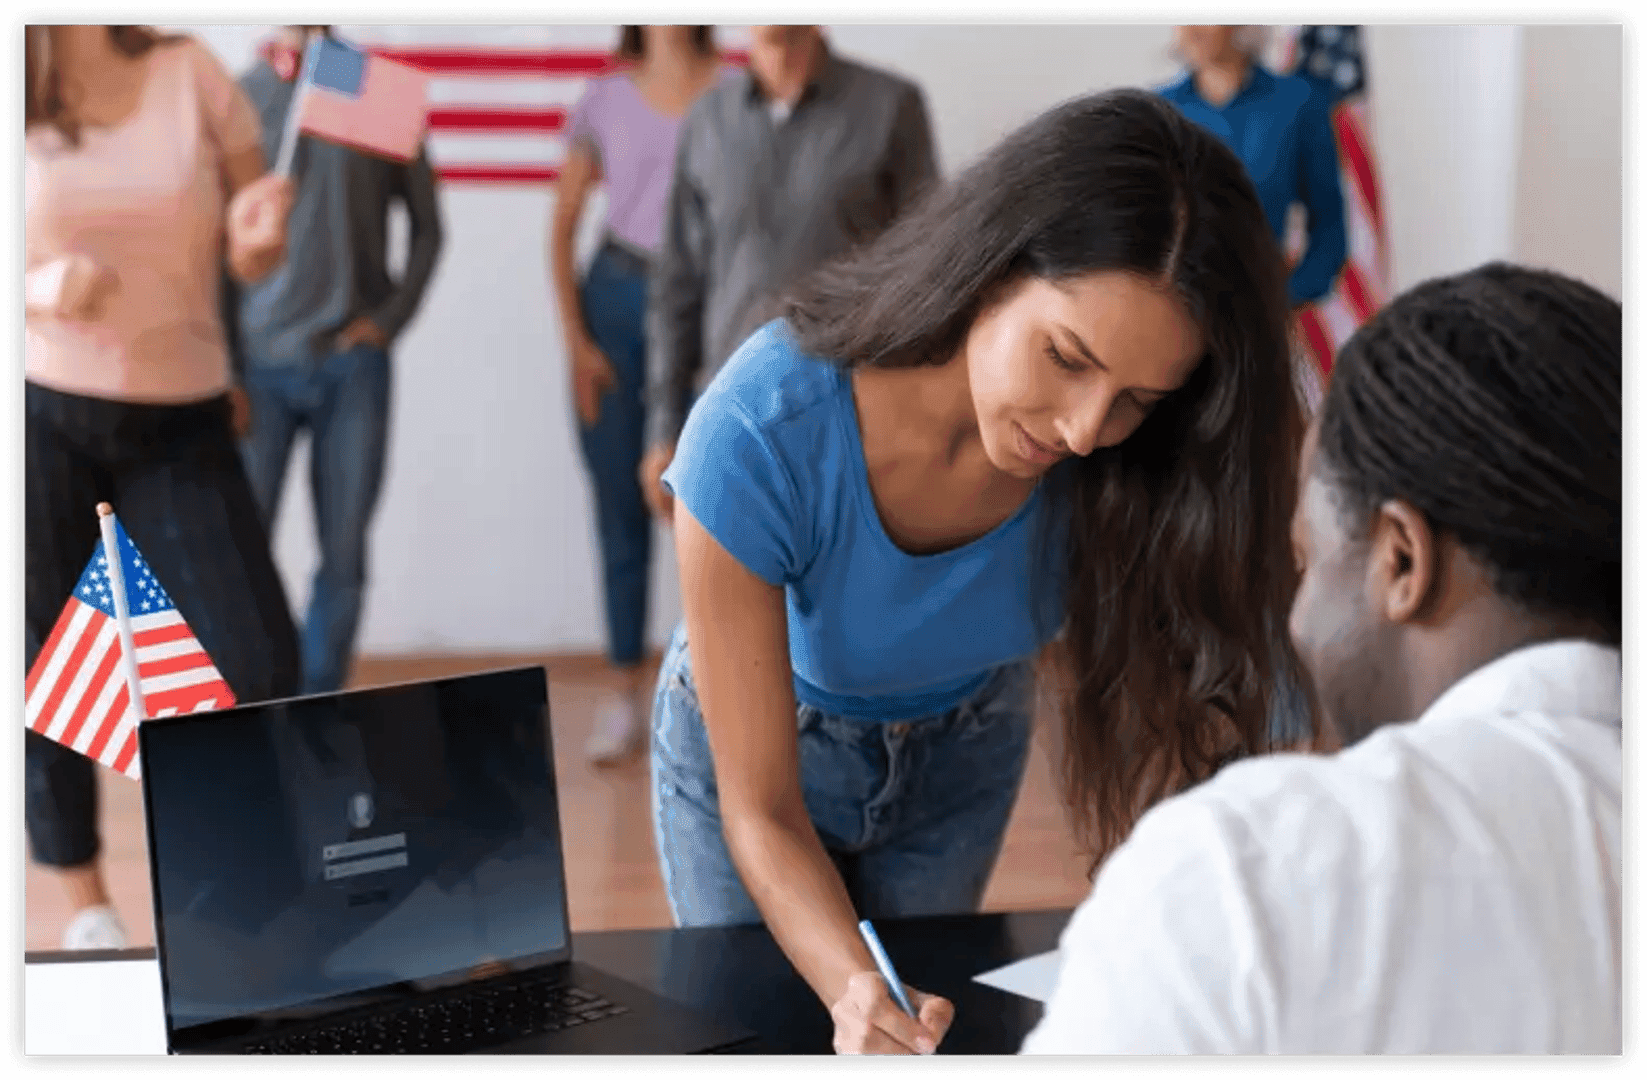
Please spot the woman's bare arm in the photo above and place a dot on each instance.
(739, 638)
(578, 176)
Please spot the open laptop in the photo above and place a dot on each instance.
(379, 871)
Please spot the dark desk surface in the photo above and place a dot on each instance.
(739, 973)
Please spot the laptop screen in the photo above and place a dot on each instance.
(315, 854)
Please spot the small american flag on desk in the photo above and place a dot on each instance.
(76, 691)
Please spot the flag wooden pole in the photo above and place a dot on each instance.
(122, 615)
(294, 114)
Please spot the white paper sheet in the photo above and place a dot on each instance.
(1033, 977)
(95, 1007)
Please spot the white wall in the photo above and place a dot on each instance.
(483, 540)
(1570, 187)
(982, 81)
(1445, 102)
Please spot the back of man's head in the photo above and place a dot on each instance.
(1490, 402)
(1479, 414)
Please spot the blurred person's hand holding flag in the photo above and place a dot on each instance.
(352, 98)
(120, 653)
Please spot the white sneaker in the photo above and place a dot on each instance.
(95, 927)
(617, 731)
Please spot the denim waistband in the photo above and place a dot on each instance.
(932, 703)
(626, 258)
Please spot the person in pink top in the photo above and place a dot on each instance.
(623, 134)
(143, 176)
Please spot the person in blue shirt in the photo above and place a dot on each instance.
(1049, 402)
(1281, 126)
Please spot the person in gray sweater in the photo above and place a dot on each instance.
(795, 161)
(312, 342)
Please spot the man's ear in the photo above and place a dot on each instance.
(1404, 566)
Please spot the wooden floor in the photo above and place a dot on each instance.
(612, 872)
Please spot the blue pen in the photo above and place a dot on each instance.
(882, 961)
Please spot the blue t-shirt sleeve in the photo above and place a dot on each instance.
(730, 477)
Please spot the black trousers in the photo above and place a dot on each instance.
(174, 477)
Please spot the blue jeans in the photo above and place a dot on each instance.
(912, 813)
(614, 311)
(342, 400)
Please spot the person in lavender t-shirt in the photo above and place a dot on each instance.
(622, 133)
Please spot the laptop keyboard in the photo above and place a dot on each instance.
(480, 1018)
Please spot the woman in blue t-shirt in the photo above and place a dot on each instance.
(1051, 401)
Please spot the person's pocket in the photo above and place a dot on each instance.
(366, 351)
(678, 736)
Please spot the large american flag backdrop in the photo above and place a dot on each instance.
(1332, 57)
(76, 693)
(499, 96)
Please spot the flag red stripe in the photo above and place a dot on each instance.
(1366, 249)
(1353, 285)
(77, 656)
(107, 725)
(159, 635)
(1352, 145)
(43, 658)
(82, 711)
(128, 750)
(453, 60)
(1317, 338)
(503, 62)
(185, 698)
(452, 118)
(498, 174)
(171, 665)
(122, 699)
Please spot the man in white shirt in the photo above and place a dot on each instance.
(1450, 884)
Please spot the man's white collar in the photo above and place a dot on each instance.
(1554, 678)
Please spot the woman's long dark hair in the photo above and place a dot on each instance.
(1178, 565)
(43, 100)
(632, 43)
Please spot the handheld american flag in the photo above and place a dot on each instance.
(77, 691)
(356, 99)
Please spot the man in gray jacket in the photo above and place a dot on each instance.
(313, 338)
(800, 158)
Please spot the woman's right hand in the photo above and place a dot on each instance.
(592, 376)
(258, 215)
(654, 463)
(868, 1021)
